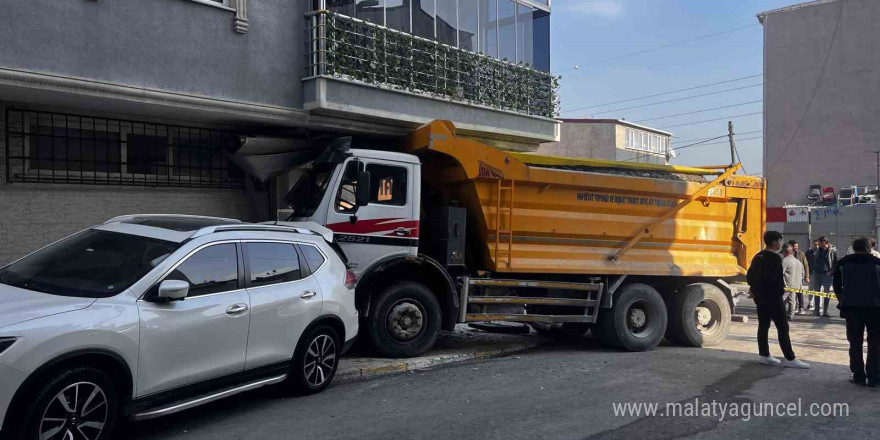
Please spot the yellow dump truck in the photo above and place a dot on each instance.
(442, 230)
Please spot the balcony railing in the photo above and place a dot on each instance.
(355, 50)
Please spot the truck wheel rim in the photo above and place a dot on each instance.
(638, 318)
(77, 412)
(707, 317)
(319, 360)
(405, 320)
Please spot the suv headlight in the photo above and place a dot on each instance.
(6, 343)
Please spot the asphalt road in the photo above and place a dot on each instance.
(562, 391)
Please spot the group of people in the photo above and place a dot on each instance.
(856, 281)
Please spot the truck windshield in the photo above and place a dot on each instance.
(91, 264)
(846, 193)
(306, 195)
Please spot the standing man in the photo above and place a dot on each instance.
(768, 287)
(793, 275)
(811, 260)
(806, 281)
(857, 286)
(823, 271)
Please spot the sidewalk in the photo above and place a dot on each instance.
(464, 343)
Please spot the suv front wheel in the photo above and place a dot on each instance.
(75, 403)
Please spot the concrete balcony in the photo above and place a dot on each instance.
(362, 71)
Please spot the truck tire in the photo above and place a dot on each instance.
(566, 330)
(637, 320)
(699, 316)
(405, 321)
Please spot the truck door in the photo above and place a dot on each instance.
(387, 225)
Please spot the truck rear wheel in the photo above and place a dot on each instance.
(637, 320)
(699, 316)
(405, 321)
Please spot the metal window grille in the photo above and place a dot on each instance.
(45, 147)
(344, 47)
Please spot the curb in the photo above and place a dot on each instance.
(420, 363)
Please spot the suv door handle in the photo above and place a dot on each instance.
(308, 294)
(237, 309)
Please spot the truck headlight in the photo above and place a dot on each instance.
(6, 343)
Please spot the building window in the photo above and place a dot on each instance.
(344, 7)
(397, 15)
(644, 141)
(488, 16)
(507, 30)
(468, 36)
(423, 18)
(524, 35)
(447, 22)
(370, 10)
(61, 148)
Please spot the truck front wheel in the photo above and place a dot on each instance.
(405, 321)
(699, 316)
(637, 320)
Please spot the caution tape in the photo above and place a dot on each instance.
(811, 292)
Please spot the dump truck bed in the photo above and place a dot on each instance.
(538, 214)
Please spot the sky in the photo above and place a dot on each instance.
(590, 34)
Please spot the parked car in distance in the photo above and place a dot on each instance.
(867, 199)
(148, 315)
(814, 195)
(849, 195)
(828, 196)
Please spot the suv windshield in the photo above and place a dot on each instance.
(92, 264)
(306, 195)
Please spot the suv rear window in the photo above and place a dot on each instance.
(272, 263)
(91, 264)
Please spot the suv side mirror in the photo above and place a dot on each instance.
(173, 290)
(362, 196)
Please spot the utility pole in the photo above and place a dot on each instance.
(878, 169)
(733, 145)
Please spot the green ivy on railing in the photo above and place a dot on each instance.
(345, 47)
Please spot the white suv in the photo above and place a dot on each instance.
(148, 315)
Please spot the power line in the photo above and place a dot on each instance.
(677, 43)
(813, 95)
(700, 139)
(701, 111)
(665, 93)
(710, 120)
(674, 100)
(718, 143)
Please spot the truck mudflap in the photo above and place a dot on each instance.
(532, 301)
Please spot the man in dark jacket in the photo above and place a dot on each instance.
(857, 286)
(811, 262)
(823, 271)
(768, 288)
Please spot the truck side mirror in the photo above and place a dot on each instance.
(362, 196)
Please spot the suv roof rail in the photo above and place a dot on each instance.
(133, 216)
(251, 227)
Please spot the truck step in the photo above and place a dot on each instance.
(549, 319)
(533, 300)
(486, 282)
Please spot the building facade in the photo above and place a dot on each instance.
(821, 89)
(611, 139)
(127, 106)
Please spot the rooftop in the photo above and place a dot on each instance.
(763, 15)
(614, 121)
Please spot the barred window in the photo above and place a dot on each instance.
(46, 147)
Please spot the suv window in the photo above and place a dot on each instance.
(213, 269)
(92, 264)
(272, 263)
(313, 256)
(387, 184)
